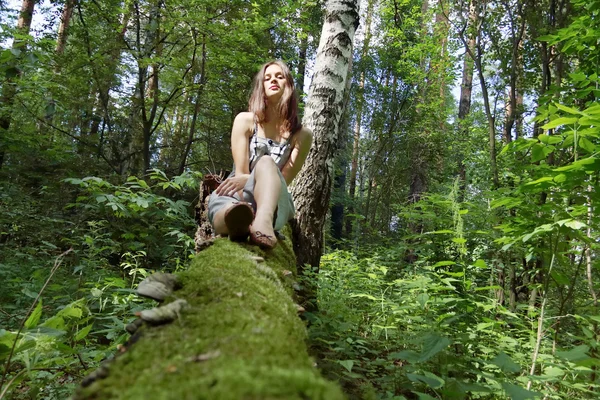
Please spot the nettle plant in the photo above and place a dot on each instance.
(136, 222)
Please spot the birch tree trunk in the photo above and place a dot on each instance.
(324, 108)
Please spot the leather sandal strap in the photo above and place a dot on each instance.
(260, 234)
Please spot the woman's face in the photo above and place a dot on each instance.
(274, 82)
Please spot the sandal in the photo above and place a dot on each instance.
(238, 219)
(265, 242)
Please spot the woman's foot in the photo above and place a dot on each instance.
(238, 219)
(262, 233)
(265, 242)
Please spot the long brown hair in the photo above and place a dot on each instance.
(288, 104)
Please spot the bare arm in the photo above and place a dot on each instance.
(302, 143)
(240, 135)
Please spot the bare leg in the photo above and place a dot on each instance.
(266, 194)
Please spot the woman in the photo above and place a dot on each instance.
(269, 146)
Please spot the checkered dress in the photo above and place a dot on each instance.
(260, 146)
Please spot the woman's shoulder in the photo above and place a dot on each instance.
(244, 121)
(246, 118)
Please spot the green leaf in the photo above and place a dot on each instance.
(422, 298)
(539, 152)
(422, 396)
(35, 316)
(575, 354)
(540, 180)
(587, 145)
(408, 355)
(509, 202)
(433, 344)
(505, 363)
(574, 224)
(480, 264)
(577, 165)
(560, 178)
(348, 364)
(443, 263)
(83, 333)
(431, 380)
(560, 121)
(518, 393)
(550, 139)
(568, 109)
(560, 278)
(553, 372)
(70, 311)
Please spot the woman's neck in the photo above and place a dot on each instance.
(273, 114)
(273, 126)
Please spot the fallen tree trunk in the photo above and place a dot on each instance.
(238, 338)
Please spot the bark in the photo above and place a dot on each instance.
(517, 28)
(323, 113)
(9, 89)
(105, 85)
(477, 56)
(197, 105)
(441, 29)
(337, 209)
(63, 28)
(148, 83)
(239, 338)
(466, 90)
(359, 114)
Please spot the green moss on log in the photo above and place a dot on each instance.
(240, 338)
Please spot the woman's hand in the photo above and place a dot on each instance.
(233, 185)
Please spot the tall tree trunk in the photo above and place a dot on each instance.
(201, 84)
(104, 86)
(466, 90)
(9, 89)
(324, 109)
(517, 28)
(63, 28)
(360, 98)
(441, 29)
(477, 56)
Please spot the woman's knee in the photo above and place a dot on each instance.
(266, 163)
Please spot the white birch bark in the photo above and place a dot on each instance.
(326, 101)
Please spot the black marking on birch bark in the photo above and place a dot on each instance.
(331, 74)
(343, 40)
(334, 52)
(327, 94)
(340, 15)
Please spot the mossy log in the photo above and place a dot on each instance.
(239, 337)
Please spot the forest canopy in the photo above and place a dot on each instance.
(460, 253)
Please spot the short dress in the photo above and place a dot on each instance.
(260, 147)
